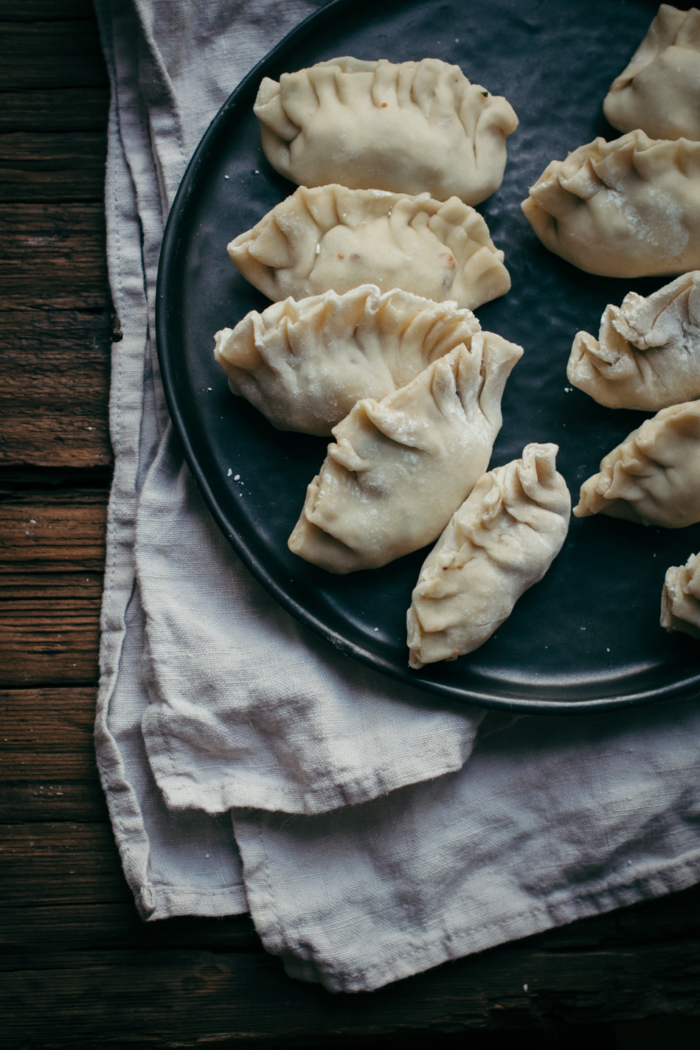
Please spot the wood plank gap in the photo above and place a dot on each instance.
(29, 481)
(30, 11)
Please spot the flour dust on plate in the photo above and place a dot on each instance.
(587, 636)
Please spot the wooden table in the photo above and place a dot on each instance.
(78, 965)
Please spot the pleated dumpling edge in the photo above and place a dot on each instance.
(408, 127)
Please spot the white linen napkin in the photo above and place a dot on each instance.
(371, 844)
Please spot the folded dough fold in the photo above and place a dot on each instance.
(331, 237)
(305, 364)
(401, 466)
(680, 598)
(499, 543)
(647, 354)
(627, 208)
(659, 91)
(652, 477)
(409, 128)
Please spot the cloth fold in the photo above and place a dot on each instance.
(246, 763)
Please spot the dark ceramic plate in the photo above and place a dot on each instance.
(588, 635)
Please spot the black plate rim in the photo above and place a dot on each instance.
(167, 263)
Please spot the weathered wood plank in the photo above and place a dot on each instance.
(47, 10)
(36, 40)
(50, 53)
(42, 587)
(56, 644)
(186, 998)
(64, 862)
(51, 635)
(48, 770)
(52, 71)
(52, 166)
(53, 254)
(53, 533)
(54, 386)
(52, 796)
(116, 925)
(74, 149)
(63, 109)
(32, 183)
(46, 746)
(50, 632)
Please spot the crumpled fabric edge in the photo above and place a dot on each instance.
(436, 947)
(153, 901)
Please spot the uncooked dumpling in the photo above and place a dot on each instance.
(305, 364)
(501, 541)
(410, 128)
(653, 477)
(647, 355)
(659, 91)
(628, 208)
(401, 466)
(680, 598)
(332, 237)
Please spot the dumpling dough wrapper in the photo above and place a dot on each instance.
(400, 467)
(333, 237)
(653, 476)
(659, 91)
(680, 598)
(410, 127)
(305, 364)
(647, 354)
(627, 208)
(500, 542)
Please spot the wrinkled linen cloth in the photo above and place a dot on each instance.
(246, 763)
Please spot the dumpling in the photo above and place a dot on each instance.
(305, 364)
(332, 237)
(653, 477)
(628, 208)
(659, 91)
(409, 128)
(680, 598)
(500, 541)
(647, 355)
(400, 467)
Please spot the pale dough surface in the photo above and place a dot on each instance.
(333, 237)
(652, 477)
(400, 467)
(647, 354)
(659, 91)
(499, 543)
(410, 127)
(305, 364)
(680, 598)
(627, 208)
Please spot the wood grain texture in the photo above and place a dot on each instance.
(57, 863)
(54, 386)
(45, 10)
(57, 533)
(47, 756)
(53, 255)
(64, 109)
(53, 645)
(64, 55)
(185, 998)
(48, 166)
(115, 925)
(51, 558)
